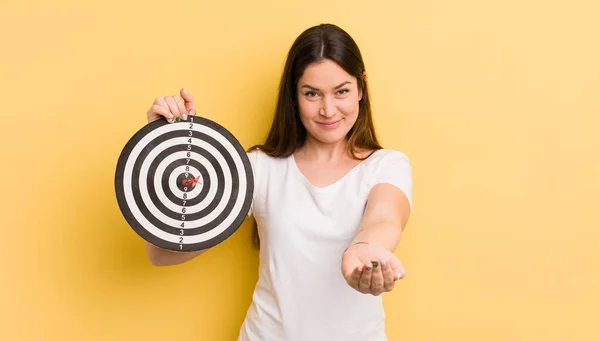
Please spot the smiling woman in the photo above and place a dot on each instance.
(325, 68)
(329, 202)
(328, 111)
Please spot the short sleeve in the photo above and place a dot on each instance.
(394, 168)
(253, 157)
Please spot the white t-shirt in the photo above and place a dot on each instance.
(301, 294)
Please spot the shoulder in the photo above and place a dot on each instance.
(268, 172)
(392, 167)
(258, 158)
(390, 153)
(263, 164)
(384, 158)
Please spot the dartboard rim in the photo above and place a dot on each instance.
(139, 229)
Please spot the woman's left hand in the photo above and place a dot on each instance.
(371, 269)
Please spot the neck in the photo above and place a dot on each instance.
(318, 151)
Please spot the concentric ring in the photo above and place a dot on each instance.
(184, 186)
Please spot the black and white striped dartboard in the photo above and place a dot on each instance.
(184, 186)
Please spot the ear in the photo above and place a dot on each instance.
(364, 81)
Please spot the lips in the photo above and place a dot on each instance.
(331, 124)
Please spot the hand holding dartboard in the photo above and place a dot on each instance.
(183, 183)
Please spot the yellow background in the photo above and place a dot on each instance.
(496, 103)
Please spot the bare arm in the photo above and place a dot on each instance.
(162, 257)
(385, 217)
(381, 228)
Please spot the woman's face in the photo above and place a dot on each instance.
(328, 99)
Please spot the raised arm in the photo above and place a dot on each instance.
(369, 264)
(385, 217)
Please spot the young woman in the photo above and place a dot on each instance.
(330, 204)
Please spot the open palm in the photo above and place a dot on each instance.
(371, 269)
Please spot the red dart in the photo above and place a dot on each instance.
(192, 181)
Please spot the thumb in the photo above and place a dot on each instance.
(397, 267)
(349, 264)
(188, 101)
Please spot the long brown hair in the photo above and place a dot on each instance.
(287, 133)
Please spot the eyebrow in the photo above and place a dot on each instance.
(337, 87)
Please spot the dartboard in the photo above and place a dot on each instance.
(184, 186)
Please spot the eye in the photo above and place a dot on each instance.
(310, 93)
(343, 91)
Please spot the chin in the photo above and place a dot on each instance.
(329, 137)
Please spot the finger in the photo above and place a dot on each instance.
(162, 101)
(160, 107)
(173, 106)
(157, 109)
(190, 104)
(364, 285)
(388, 275)
(181, 107)
(397, 268)
(354, 277)
(377, 281)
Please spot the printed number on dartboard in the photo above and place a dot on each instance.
(185, 189)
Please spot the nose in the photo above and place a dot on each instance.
(328, 108)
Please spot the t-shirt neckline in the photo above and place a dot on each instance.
(304, 179)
